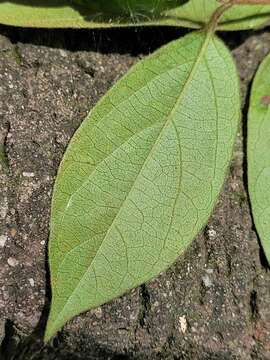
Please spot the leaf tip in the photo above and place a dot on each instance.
(50, 331)
(52, 327)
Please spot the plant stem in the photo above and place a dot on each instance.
(225, 5)
(248, 2)
(213, 22)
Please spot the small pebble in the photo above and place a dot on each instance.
(28, 174)
(3, 210)
(3, 239)
(207, 281)
(63, 53)
(12, 262)
(98, 312)
(32, 282)
(182, 321)
(212, 233)
(13, 232)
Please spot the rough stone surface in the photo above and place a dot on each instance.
(214, 303)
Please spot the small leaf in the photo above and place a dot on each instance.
(142, 174)
(259, 154)
(115, 13)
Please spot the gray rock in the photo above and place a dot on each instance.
(45, 94)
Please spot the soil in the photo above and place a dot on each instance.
(214, 303)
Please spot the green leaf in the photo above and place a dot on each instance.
(103, 13)
(259, 154)
(82, 13)
(141, 175)
(196, 13)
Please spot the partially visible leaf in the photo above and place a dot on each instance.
(141, 176)
(103, 13)
(196, 13)
(83, 13)
(259, 154)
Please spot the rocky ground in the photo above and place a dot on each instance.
(214, 303)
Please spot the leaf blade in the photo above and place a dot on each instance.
(143, 205)
(259, 154)
(83, 13)
(194, 14)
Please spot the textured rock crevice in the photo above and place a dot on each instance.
(212, 304)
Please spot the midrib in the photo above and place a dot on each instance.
(177, 103)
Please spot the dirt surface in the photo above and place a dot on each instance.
(214, 303)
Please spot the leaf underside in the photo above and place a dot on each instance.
(141, 176)
(66, 14)
(259, 154)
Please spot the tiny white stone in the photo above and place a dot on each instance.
(182, 321)
(207, 281)
(42, 242)
(28, 174)
(98, 312)
(3, 239)
(3, 209)
(32, 282)
(63, 53)
(212, 233)
(12, 262)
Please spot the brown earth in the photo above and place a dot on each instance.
(214, 303)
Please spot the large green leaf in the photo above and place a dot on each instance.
(259, 153)
(103, 13)
(142, 174)
(82, 13)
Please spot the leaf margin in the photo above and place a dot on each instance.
(256, 115)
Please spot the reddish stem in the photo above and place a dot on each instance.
(212, 25)
(247, 2)
(226, 4)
